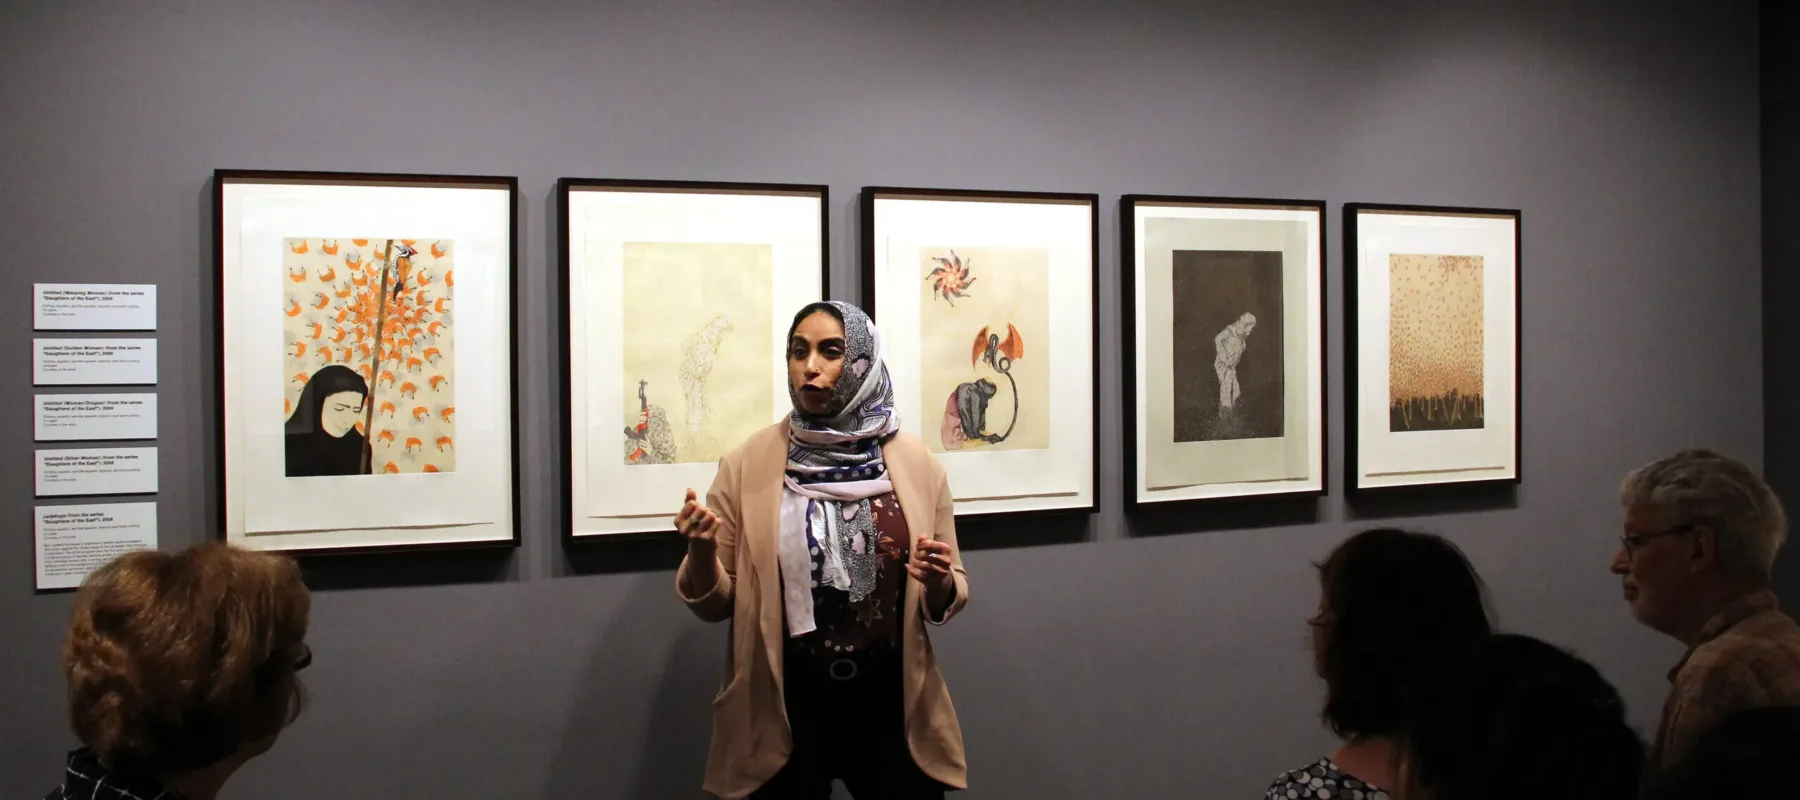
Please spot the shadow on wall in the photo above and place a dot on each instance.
(623, 685)
(423, 568)
(1427, 501)
(1226, 514)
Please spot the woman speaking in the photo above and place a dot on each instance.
(829, 540)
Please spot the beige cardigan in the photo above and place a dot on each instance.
(750, 739)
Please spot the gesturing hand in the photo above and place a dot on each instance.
(697, 524)
(930, 565)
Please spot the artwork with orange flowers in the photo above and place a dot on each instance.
(368, 334)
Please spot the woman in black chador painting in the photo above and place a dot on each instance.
(321, 435)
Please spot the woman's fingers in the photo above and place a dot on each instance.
(926, 564)
(933, 554)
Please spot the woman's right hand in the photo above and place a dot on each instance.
(698, 525)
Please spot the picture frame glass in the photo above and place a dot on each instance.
(1227, 335)
(1436, 333)
(680, 297)
(985, 306)
(367, 383)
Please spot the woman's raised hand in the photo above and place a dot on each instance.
(930, 565)
(697, 524)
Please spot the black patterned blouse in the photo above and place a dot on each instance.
(1321, 780)
(870, 629)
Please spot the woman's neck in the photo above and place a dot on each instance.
(1369, 759)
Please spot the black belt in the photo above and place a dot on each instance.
(844, 668)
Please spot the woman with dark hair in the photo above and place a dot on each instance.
(181, 667)
(829, 541)
(322, 438)
(1391, 604)
(1511, 716)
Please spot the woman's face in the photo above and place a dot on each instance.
(815, 360)
(341, 413)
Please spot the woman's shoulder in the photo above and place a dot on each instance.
(769, 441)
(1321, 780)
(906, 451)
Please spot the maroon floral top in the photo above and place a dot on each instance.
(872, 627)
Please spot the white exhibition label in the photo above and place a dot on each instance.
(73, 541)
(94, 307)
(102, 362)
(68, 417)
(101, 470)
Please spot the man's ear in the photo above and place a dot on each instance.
(1703, 552)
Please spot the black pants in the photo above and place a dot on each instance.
(850, 730)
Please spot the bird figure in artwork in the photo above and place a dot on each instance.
(950, 278)
(998, 353)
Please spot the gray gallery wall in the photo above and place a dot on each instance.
(1164, 656)
(1781, 282)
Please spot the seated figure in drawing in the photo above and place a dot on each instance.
(1229, 345)
(697, 356)
(649, 441)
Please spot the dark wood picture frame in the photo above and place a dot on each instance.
(866, 246)
(222, 178)
(564, 189)
(1129, 357)
(1352, 355)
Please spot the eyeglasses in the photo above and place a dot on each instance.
(1631, 541)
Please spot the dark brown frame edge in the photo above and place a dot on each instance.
(511, 183)
(1128, 267)
(564, 187)
(1352, 262)
(866, 229)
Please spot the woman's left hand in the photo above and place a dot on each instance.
(930, 565)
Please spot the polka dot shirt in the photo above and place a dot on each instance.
(1321, 780)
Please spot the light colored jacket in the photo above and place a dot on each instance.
(751, 740)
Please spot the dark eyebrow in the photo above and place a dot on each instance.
(835, 341)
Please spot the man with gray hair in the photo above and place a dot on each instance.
(1700, 536)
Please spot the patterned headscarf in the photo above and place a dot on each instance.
(834, 468)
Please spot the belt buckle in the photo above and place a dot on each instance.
(849, 666)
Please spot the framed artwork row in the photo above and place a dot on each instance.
(677, 301)
(1223, 311)
(380, 312)
(1431, 320)
(367, 381)
(987, 306)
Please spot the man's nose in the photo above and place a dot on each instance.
(1621, 563)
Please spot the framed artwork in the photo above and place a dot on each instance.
(986, 305)
(679, 296)
(1431, 314)
(1223, 310)
(367, 329)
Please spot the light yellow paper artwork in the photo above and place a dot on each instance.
(984, 318)
(699, 349)
(1435, 352)
(362, 354)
